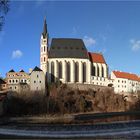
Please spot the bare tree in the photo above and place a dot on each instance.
(4, 8)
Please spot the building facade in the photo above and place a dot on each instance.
(17, 80)
(125, 82)
(37, 80)
(67, 60)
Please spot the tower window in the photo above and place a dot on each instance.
(44, 59)
(44, 48)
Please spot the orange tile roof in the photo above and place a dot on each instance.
(126, 75)
(96, 58)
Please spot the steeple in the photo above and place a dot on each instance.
(44, 33)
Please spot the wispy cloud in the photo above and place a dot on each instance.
(89, 41)
(135, 44)
(17, 54)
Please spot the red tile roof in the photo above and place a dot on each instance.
(126, 75)
(96, 58)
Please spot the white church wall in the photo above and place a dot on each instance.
(72, 73)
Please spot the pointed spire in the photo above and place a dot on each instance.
(44, 29)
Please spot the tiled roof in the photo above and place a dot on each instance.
(126, 75)
(96, 58)
(68, 48)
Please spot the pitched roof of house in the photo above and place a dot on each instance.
(2, 81)
(96, 57)
(11, 70)
(126, 75)
(37, 69)
(68, 48)
(21, 71)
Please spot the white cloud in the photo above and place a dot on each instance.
(89, 41)
(17, 54)
(135, 44)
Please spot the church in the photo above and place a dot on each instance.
(68, 60)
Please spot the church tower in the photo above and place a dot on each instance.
(44, 48)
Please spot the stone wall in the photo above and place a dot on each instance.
(86, 87)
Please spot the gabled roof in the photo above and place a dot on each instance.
(21, 71)
(96, 58)
(2, 81)
(37, 69)
(126, 75)
(68, 48)
(11, 70)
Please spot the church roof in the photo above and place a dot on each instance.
(96, 58)
(126, 75)
(68, 48)
(37, 69)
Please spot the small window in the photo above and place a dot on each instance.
(13, 81)
(118, 81)
(40, 81)
(34, 81)
(37, 76)
(15, 87)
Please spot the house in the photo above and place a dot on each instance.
(125, 82)
(37, 80)
(17, 81)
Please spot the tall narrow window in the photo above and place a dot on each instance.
(98, 71)
(76, 72)
(84, 72)
(44, 59)
(68, 71)
(60, 70)
(44, 48)
(93, 70)
(102, 71)
(52, 72)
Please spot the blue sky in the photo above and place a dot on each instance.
(112, 28)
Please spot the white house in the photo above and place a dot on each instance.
(125, 82)
(37, 80)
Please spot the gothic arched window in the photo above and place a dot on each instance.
(98, 71)
(59, 70)
(84, 72)
(68, 71)
(102, 71)
(93, 70)
(52, 72)
(76, 72)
